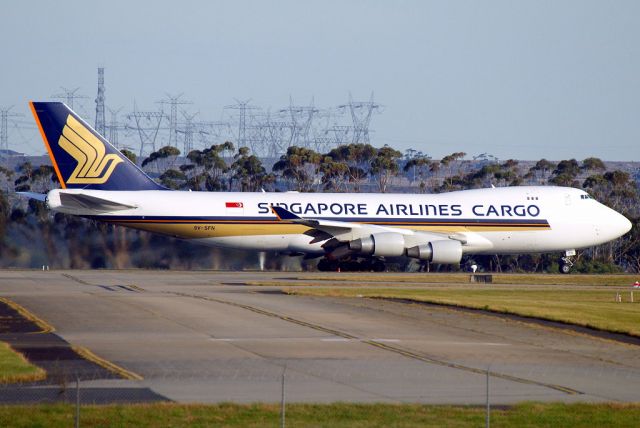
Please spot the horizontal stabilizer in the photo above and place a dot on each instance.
(85, 202)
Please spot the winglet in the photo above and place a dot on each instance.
(283, 214)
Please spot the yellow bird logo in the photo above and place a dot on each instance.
(94, 166)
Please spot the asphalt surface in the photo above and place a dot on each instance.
(207, 337)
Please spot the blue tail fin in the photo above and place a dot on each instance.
(82, 158)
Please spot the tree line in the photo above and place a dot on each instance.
(31, 236)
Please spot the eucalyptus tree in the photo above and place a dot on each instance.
(539, 173)
(130, 155)
(299, 166)
(592, 165)
(173, 179)
(448, 162)
(162, 159)
(357, 157)
(419, 165)
(248, 171)
(385, 166)
(335, 174)
(566, 173)
(4, 219)
(209, 168)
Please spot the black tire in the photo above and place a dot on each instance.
(565, 268)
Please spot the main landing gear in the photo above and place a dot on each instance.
(565, 262)
(351, 265)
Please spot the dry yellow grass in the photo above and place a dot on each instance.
(594, 308)
(463, 278)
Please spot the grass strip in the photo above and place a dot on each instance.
(588, 308)
(463, 278)
(321, 415)
(14, 367)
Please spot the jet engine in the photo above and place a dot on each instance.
(442, 251)
(387, 244)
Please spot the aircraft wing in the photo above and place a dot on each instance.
(341, 230)
(338, 232)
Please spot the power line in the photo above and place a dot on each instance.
(173, 101)
(361, 112)
(5, 114)
(100, 100)
(114, 127)
(69, 96)
(147, 124)
(243, 107)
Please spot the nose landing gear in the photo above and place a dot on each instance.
(565, 262)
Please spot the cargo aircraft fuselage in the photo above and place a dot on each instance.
(100, 183)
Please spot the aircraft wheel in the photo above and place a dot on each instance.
(565, 268)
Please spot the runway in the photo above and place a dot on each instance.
(206, 337)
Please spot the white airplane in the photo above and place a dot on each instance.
(99, 183)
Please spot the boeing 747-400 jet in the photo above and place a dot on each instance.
(100, 183)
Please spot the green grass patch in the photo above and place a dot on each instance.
(321, 415)
(463, 278)
(595, 308)
(15, 368)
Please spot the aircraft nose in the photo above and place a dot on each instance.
(619, 223)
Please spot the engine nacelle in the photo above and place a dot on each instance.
(386, 244)
(443, 251)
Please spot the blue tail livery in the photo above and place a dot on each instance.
(81, 157)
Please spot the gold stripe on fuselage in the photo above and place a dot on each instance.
(218, 230)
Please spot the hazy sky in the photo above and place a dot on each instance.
(517, 79)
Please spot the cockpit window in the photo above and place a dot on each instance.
(586, 196)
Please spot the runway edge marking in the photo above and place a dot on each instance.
(386, 347)
(112, 367)
(44, 326)
(81, 351)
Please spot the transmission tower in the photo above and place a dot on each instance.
(214, 132)
(301, 118)
(174, 102)
(267, 136)
(189, 129)
(242, 107)
(114, 127)
(4, 128)
(361, 112)
(100, 99)
(147, 124)
(341, 134)
(69, 96)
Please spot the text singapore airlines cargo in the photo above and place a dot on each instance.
(99, 183)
